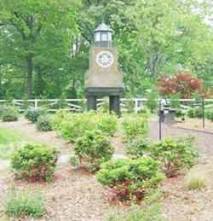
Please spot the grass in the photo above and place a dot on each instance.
(149, 211)
(24, 203)
(8, 136)
(195, 181)
(8, 140)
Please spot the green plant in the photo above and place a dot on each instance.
(191, 113)
(174, 155)
(33, 114)
(196, 112)
(44, 123)
(195, 181)
(93, 148)
(34, 162)
(21, 204)
(73, 126)
(152, 100)
(9, 113)
(180, 113)
(134, 126)
(58, 118)
(129, 179)
(209, 115)
(136, 213)
(107, 123)
(74, 161)
(138, 147)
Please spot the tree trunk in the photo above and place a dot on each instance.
(29, 63)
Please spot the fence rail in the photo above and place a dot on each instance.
(79, 105)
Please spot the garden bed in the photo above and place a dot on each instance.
(195, 124)
(77, 196)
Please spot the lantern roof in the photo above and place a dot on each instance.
(103, 27)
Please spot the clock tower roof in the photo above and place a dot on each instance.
(103, 27)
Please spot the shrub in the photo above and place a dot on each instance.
(33, 114)
(44, 123)
(191, 113)
(20, 204)
(58, 118)
(34, 162)
(138, 147)
(179, 113)
(198, 112)
(9, 113)
(107, 123)
(93, 148)
(209, 115)
(182, 83)
(134, 126)
(195, 112)
(129, 179)
(73, 126)
(174, 155)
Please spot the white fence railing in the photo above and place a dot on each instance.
(79, 105)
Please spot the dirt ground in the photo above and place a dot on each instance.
(196, 124)
(75, 195)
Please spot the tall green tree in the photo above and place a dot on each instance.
(36, 34)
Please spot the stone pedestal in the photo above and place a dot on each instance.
(114, 105)
(114, 94)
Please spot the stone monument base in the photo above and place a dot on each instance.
(93, 93)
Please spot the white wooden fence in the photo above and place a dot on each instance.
(79, 105)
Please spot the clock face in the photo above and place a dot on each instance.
(104, 59)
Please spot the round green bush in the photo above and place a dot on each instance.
(34, 162)
(130, 178)
(72, 126)
(174, 154)
(138, 147)
(44, 123)
(32, 114)
(93, 148)
(9, 113)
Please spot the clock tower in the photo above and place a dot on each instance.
(104, 77)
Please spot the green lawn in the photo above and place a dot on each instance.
(9, 140)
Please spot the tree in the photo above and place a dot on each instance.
(36, 34)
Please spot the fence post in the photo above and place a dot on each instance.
(36, 103)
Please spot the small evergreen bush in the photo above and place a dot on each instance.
(129, 179)
(32, 114)
(138, 147)
(34, 162)
(21, 204)
(73, 126)
(174, 155)
(134, 126)
(44, 123)
(93, 148)
(9, 113)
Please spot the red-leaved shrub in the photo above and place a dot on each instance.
(183, 83)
